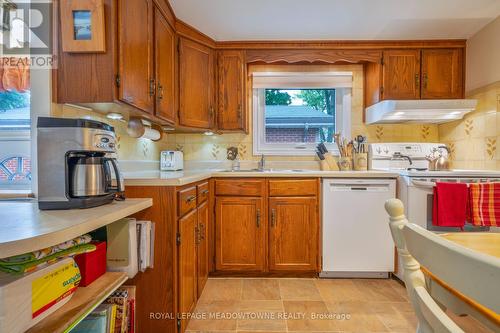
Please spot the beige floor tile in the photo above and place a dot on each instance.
(221, 290)
(308, 313)
(338, 290)
(299, 289)
(262, 316)
(261, 289)
(215, 316)
(379, 290)
(359, 317)
(397, 317)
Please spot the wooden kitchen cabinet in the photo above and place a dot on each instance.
(165, 56)
(231, 114)
(401, 74)
(202, 246)
(196, 85)
(293, 234)
(136, 84)
(187, 261)
(442, 73)
(240, 237)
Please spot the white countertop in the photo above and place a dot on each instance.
(179, 178)
(25, 228)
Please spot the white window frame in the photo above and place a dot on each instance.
(261, 147)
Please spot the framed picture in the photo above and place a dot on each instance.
(82, 26)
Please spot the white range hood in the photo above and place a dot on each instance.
(431, 111)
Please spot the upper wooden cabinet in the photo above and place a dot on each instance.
(401, 74)
(165, 56)
(231, 115)
(135, 57)
(196, 85)
(442, 73)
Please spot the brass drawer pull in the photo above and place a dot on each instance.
(204, 192)
(273, 217)
(191, 198)
(258, 218)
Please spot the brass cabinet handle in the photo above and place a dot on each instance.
(205, 192)
(160, 91)
(191, 198)
(197, 235)
(239, 111)
(425, 78)
(152, 87)
(273, 217)
(258, 218)
(202, 231)
(417, 81)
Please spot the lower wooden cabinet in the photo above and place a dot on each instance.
(240, 237)
(188, 283)
(293, 234)
(268, 233)
(202, 247)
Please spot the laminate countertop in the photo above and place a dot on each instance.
(25, 228)
(179, 178)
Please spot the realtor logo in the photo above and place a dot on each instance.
(26, 32)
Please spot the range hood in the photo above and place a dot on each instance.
(430, 111)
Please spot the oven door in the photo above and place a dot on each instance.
(420, 203)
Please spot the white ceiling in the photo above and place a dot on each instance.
(226, 20)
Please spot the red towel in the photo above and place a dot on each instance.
(450, 205)
(485, 204)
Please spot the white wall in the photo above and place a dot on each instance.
(483, 57)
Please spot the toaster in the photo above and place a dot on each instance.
(171, 160)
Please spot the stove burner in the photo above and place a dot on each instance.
(417, 169)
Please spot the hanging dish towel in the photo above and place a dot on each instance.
(450, 205)
(485, 204)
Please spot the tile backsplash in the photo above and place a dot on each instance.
(475, 140)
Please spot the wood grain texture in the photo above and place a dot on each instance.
(203, 192)
(157, 286)
(196, 85)
(313, 56)
(202, 251)
(232, 113)
(186, 200)
(135, 56)
(442, 73)
(240, 187)
(293, 234)
(186, 31)
(372, 84)
(293, 187)
(165, 68)
(240, 234)
(188, 282)
(487, 243)
(401, 74)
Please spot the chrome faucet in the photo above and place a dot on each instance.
(262, 163)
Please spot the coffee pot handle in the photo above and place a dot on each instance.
(120, 186)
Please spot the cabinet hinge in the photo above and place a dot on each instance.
(178, 325)
(178, 238)
(117, 80)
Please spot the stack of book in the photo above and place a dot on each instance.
(115, 315)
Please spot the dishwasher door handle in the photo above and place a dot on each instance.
(359, 188)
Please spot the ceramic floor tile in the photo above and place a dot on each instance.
(338, 290)
(379, 290)
(261, 289)
(215, 316)
(221, 290)
(307, 316)
(355, 316)
(397, 317)
(299, 289)
(262, 315)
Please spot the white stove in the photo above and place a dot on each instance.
(416, 183)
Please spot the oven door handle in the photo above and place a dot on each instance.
(423, 183)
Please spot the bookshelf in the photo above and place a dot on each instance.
(84, 300)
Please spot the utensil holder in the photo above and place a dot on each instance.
(345, 163)
(360, 161)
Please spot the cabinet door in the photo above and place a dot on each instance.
(442, 73)
(232, 76)
(135, 56)
(293, 234)
(401, 74)
(196, 84)
(187, 264)
(240, 241)
(203, 227)
(165, 68)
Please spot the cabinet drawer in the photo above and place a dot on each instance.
(186, 200)
(239, 187)
(203, 192)
(293, 187)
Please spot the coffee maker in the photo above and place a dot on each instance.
(76, 159)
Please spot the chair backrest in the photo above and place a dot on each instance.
(431, 318)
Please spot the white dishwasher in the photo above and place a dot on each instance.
(357, 241)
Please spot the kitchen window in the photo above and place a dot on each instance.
(295, 111)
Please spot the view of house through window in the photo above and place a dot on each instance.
(299, 115)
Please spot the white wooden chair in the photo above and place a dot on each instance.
(473, 274)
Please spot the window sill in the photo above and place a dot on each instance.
(16, 194)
